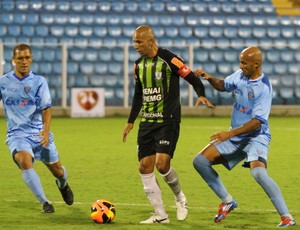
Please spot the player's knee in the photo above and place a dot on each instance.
(259, 173)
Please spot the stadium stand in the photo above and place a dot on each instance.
(95, 33)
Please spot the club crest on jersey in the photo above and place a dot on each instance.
(27, 89)
(158, 75)
(250, 95)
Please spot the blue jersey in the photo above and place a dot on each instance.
(253, 99)
(24, 99)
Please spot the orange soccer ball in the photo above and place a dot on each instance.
(103, 211)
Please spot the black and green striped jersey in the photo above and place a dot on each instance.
(157, 90)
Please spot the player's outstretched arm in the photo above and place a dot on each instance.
(205, 101)
(217, 83)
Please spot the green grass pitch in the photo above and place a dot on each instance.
(100, 165)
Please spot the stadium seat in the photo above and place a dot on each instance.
(66, 40)
(91, 6)
(200, 7)
(74, 19)
(216, 56)
(105, 54)
(131, 6)
(27, 30)
(287, 32)
(100, 19)
(201, 32)
(42, 30)
(47, 18)
(228, 7)
(87, 19)
(280, 68)
(104, 6)
(171, 32)
(19, 19)
(49, 5)
(72, 67)
(272, 20)
(231, 56)
(158, 31)
(57, 70)
(158, 6)
(86, 67)
(81, 41)
(76, 54)
(14, 30)
(81, 80)
(101, 68)
(287, 56)
(172, 6)
(273, 56)
(100, 31)
(294, 68)
(97, 81)
(224, 68)
(178, 20)
(91, 54)
(241, 7)
(230, 32)
(192, 20)
(56, 30)
(77, 6)
(214, 7)
(3, 30)
(165, 20)
(210, 68)
(115, 68)
(114, 31)
(185, 32)
(288, 81)
(268, 68)
(232, 20)
(45, 68)
(144, 6)
(49, 55)
(118, 54)
(63, 6)
(215, 32)
(186, 7)
(7, 5)
(259, 32)
(244, 32)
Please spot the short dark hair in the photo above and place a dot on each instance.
(21, 46)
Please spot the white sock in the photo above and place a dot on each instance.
(153, 192)
(172, 180)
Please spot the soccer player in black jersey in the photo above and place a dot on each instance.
(157, 74)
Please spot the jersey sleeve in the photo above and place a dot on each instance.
(43, 95)
(230, 81)
(179, 67)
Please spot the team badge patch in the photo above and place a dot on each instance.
(27, 89)
(158, 75)
(250, 95)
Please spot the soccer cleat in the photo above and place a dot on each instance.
(66, 193)
(155, 219)
(182, 208)
(286, 222)
(48, 208)
(224, 209)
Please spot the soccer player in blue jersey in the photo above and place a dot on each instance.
(248, 138)
(27, 105)
(157, 73)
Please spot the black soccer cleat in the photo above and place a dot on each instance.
(48, 208)
(66, 193)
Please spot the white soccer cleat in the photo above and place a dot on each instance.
(156, 219)
(182, 208)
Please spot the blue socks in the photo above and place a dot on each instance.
(271, 188)
(32, 180)
(203, 167)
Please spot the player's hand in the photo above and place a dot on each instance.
(202, 73)
(220, 136)
(205, 101)
(44, 135)
(126, 130)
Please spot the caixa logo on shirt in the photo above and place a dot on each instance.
(21, 102)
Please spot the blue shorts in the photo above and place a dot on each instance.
(32, 145)
(247, 149)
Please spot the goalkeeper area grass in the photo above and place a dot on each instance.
(100, 166)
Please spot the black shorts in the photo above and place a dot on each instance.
(157, 138)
